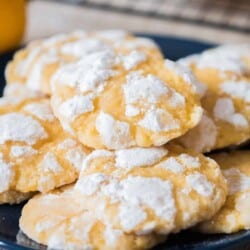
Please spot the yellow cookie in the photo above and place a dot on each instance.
(142, 190)
(225, 73)
(34, 65)
(235, 214)
(114, 101)
(35, 153)
(60, 221)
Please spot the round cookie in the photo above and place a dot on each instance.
(142, 190)
(35, 153)
(225, 71)
(235, 213)
(57, 220)
(34, 65)
(105, 104)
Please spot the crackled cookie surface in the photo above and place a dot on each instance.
(234, 215)
(35, 153)
(225, 71)
(106, 104)
(60, 221)
(35, 64)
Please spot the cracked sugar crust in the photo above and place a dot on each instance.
(32, 155)
(226, 105)
(184, 188)
(34, 65)
(109, 206)
(106, 105)
(234, 215)
(60, 221)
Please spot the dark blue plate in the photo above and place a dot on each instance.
(173, 48)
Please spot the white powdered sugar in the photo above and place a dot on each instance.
(90, 184)
(131, 215)
(50, 164)
(237, 89)
(159, 120)
(66, 144)
(76, 157)
(136, 190)
(224, 110)
(20, 92)
(131, 111)
(21, 151)
(89, 74)
(24, 65)
(21, 128)
(139, 157)
(172, 165)
(203, 137)
(83, 47)
(115, 134)
(100, 153)
(133, 59)
(40, 110)
(225, 58)
(6, 175)
(76, 106)
(189, 161)
(188, 60)
(237, 181)
(186, 74)
(199, 183)
(112, 236)
(145, 89)
(35, 76)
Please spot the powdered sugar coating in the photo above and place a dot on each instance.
(20, 128)
(237, 89)
(50, 164)
(115, 134)
(76, 156)
(185, 73)
(172, 165)
(159, 120)
(138, 157)
(200, 184)
(237, 181)
(133, 59)
(76, 106)
(21, 151)
(203, 137)
(6, 174)
(40, 110)
(224, 110)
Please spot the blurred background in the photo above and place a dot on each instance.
(216, 21)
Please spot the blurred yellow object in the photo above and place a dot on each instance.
(12, 23)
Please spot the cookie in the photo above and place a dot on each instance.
(34, 65)
(59, 221)
(35, 153)
(125, 197)
(106, 104)
(225, 73)
(142, 190)
(234, 215)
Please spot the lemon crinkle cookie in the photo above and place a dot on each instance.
(106, 104)
(60, 221)
(35, 153)
(137, 191)
(34, 65)
(225, 72)
(234, 215)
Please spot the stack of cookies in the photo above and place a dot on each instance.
(112, 135)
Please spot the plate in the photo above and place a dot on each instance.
(10, 237)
